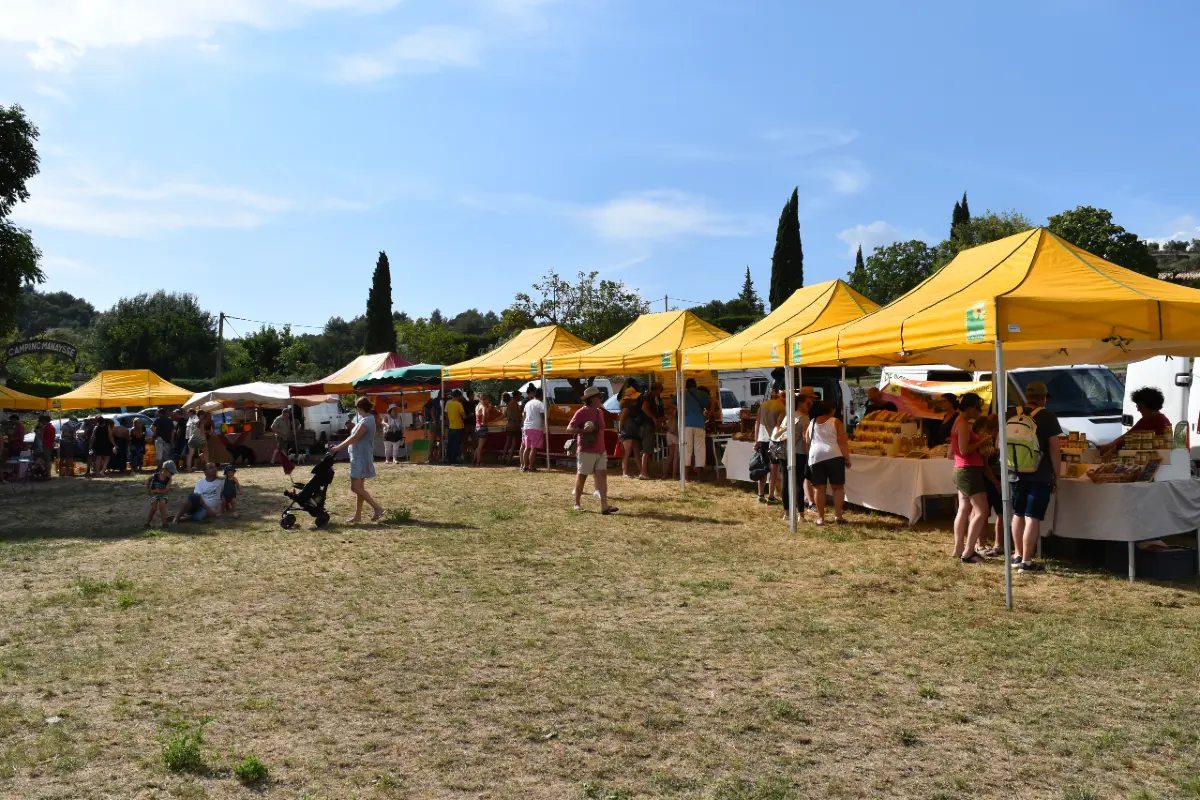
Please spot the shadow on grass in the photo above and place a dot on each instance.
(658, 515)
(428, 525)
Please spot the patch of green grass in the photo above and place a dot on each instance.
(128, 598)
(769, 577)
(928, 693)
(90, 588)
(1190, 787)
(599, 790)
(506, 514)
(256, 703)
(181, 747)
(786, 711)
(1076, 793)
(908, 737)
(398, 516)
(772, 787)
(250, 770)
(710, 585)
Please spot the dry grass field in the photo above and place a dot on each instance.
(498, 645)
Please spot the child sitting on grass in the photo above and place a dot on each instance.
(157, 487)
(230, 491)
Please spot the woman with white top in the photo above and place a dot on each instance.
(804, 400)
(828, 458)
(393, 436)
(770, 412)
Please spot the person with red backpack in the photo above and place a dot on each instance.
(1034, 459)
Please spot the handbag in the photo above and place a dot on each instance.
(778, 451)
(759, 468)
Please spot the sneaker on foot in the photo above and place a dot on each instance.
(609, 510)
(578, 507)
(1029, 566)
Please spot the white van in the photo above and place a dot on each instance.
(1175, 377)
(1085, 397)
(749, 386)
(561, 392)
(324, 419)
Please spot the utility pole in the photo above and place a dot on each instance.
(666, 307)
(220, 342)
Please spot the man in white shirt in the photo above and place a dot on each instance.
(205, 499)
(533, 438)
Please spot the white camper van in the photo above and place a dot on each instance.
(561, 392)
(1085, 397)
(1177, 378)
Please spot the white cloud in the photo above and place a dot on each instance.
(52, 92)
(806, 141)
(664, 214)
(89, 205)
(870, 236)
(58, 267)
(1186, 228)
(850, 177)
(58, 33)
(429, 49)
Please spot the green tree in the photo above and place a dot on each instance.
(988, 227)
(891, 271)
(381, 332)
(18, 256)
(787, 262)
(42, 311)
(1094, 231)
(436, 318)
(471, 322)
(166, 332)
(591, 309)
(749, 297)
(423, 342)
(960, 216)
(338, 344)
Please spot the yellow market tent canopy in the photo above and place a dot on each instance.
(651, 343)
(19, 401)
(763, 344)
(519, 357)
(1045, 300)
(123, 387)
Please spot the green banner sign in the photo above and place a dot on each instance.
(977, 323)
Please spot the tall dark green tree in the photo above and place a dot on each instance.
(960, 216)
(858, 259)
(787, 262)
(18, 257)
(381, 331)
(749, 297)
(166, 332)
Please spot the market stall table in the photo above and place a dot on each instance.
(1125, 512)
(894, 485)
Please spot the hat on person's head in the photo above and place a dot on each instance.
(230, 468)
(590, 392)
(809, 391)
(1036, 389)
(170, 467)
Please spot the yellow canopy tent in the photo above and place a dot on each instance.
(1031, 299)
(519, 357)
(19, 401)
(123, 387)
(1049, 302)
(651, 343)
(763, 344)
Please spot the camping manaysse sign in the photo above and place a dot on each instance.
(41, 347)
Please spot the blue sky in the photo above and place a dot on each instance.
(260, 152)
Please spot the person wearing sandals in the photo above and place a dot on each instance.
(968, 449)
(828, 458)
(770, 413)
(361, 443)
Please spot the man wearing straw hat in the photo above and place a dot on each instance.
(588, 426)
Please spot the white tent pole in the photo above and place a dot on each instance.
(680, 419)
(789, 386)
(1001, 401)
(545, 410)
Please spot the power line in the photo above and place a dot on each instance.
(277, 324)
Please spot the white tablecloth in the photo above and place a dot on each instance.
(1124, 512)
(894, 485)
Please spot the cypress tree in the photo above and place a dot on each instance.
(858, 260)
(787, 262)
(749, 297)
(955, 218)
(966, 210)
(381, 332)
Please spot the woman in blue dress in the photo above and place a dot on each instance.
(361, 443)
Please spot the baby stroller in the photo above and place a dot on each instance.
(311, 497)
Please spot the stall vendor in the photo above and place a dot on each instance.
(1149, 402)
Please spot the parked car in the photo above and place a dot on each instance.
(123, 418)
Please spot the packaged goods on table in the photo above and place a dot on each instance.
(886, 433)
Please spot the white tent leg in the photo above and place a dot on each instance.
(680, 419)
(546, 411)
(1001, 402)
(789, 381)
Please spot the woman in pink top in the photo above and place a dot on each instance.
(588, 426)
(969, 478)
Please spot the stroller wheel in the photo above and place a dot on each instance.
(287, 521)
(322, 520)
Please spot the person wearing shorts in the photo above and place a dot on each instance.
(591, 454)
(533, 436)
(828, 458)
(653, 416)
(1031, 492)
(968, 448)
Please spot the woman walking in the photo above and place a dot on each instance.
(512, 427)
(969, 478)
(828, 458)
(137, 445)
(361, 443)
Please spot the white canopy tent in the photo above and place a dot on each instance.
(259, 393)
